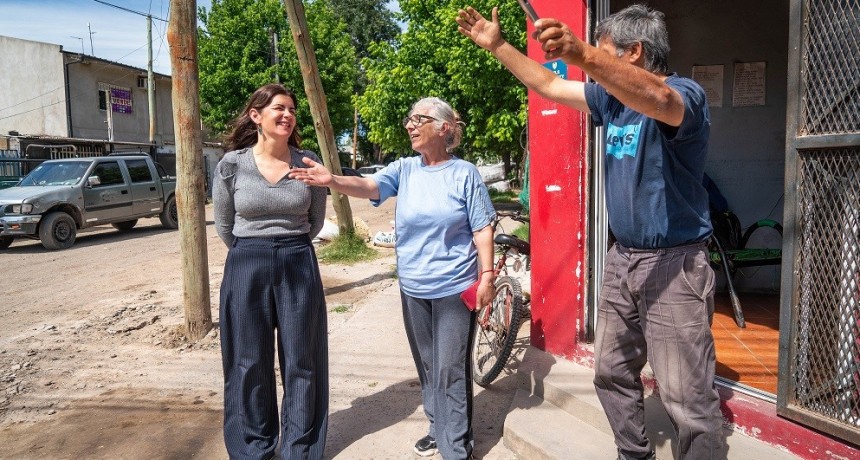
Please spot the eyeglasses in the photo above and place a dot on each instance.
(418, 120)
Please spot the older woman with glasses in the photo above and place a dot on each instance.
(442, 222)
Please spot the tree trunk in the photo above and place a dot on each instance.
(319, 108)
(190, 192)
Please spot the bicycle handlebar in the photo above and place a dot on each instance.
(515, 215)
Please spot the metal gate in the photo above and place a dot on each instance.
(819, 377)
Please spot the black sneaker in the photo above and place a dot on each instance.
(426, 446)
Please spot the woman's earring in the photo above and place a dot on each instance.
(259, 129)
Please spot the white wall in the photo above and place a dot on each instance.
(32, 89)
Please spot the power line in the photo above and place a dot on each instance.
(130, 11)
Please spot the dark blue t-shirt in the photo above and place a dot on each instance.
(654, 192)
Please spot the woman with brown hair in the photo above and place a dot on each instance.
(271, 283)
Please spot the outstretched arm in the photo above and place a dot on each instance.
(635, 87)
(317, 174)
(488, 35)
(622, 76)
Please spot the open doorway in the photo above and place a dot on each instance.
(739, 53)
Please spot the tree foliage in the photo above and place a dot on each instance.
(236, 57)
(431, 58)
(368, 21)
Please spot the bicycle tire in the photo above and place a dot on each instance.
(493, 342)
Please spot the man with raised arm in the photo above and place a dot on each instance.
(656, 302)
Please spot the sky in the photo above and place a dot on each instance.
(117, 35)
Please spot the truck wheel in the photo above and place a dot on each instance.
(125, 226)
(169, 215)
(5, 241)
(58, 231)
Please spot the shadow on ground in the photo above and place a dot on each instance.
(370, 414)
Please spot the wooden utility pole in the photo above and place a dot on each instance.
(319, 108)
(354, 137)
(190, 194)
(150, 80)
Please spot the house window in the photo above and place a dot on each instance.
(141, 81)
(119, 98)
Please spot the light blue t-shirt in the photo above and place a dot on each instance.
(438, 209)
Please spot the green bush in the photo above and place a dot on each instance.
(347, 249)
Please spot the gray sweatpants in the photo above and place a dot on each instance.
(658, 304)
(439, 331)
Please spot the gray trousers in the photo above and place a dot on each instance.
(273, 285)
(657, 305)
(439, 333)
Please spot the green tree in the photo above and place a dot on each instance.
(368, 21)
(236, 56)
(432, 59)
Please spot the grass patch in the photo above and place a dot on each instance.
(522, 232)
(340, 309)
(347, 249)
(503, 197)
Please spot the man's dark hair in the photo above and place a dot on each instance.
(639, 24)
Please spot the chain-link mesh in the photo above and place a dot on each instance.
(830, 68)
(827, 361)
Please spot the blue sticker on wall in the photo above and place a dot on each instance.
(557, 67)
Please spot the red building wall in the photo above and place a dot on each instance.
(558, 201)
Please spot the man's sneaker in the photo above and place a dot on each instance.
(426, 446)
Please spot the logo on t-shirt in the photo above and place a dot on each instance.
(622, 140)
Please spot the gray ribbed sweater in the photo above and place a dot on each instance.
(247, 205)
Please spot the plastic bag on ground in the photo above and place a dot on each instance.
(384, 239)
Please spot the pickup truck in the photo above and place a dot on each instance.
(60, 197)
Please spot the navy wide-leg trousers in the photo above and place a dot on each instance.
(273, 285)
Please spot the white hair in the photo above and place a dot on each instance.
(442, 111)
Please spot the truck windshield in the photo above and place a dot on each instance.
(59, 173)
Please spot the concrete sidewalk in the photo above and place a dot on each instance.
(376, 410)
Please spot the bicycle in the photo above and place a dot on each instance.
(497, 324)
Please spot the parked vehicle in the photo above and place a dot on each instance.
(370, 169)
(346, 171)
(60, 197)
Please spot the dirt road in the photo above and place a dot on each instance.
(92, 361)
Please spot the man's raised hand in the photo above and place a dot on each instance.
(486, 34)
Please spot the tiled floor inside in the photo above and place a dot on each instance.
(749, 355)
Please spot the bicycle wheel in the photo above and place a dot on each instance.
(496, 331)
